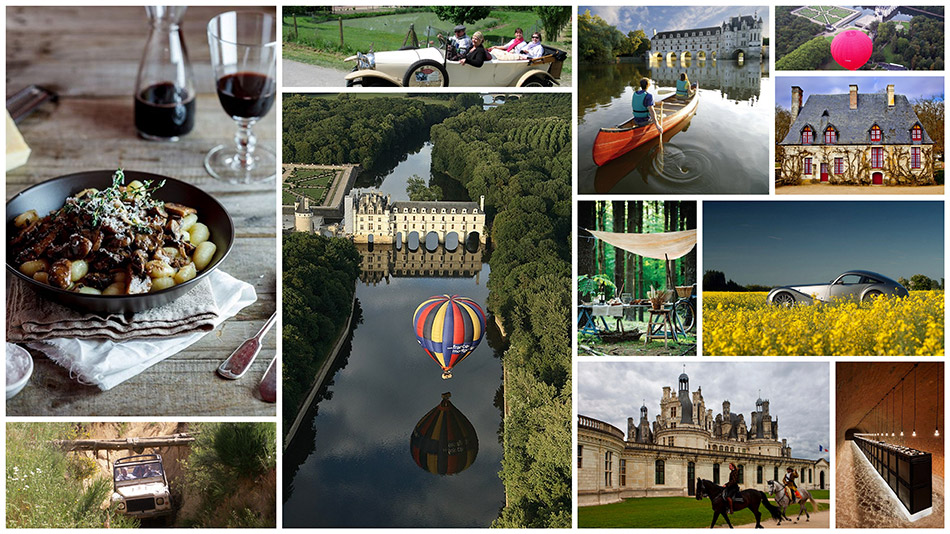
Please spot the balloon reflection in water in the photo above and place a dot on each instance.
(449, 329)
(444, 441)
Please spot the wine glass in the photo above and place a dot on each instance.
(243, 56)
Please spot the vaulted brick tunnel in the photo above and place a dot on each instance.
(863, 500)
(860, 385)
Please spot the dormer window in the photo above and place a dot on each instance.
(443, 211)
(423, 210)
(807, 135)
(463, 211)
(413, 210)
(876, 134)
(831, 136)
(453, 210)
(916, 133)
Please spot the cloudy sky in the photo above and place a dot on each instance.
(649, 18)
(797, 394)
(911, 87)
(803, 242)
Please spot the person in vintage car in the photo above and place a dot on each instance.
(477, 56)
(534, 49)
(509, 50)
(459, 44)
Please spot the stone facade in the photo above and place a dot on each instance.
(684, 443)
(374, 217)
(866, 139)
(737, 36)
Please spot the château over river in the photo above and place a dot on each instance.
(723, 149)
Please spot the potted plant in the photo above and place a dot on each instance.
(597, 284)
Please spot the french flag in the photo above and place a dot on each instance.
(822, 448)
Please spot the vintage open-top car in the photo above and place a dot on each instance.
(855, 285)
(428, 67)
(140, 486)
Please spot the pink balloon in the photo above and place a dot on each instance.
(851, 49)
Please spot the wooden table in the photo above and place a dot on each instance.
(90, 57)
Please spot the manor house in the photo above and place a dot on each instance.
(685, 442)
(856, 138)
(737, 37)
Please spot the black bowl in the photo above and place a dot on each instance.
(51, 195)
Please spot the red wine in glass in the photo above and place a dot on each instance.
(246, 95)
(164, 111)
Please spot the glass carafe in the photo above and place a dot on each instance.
(164, 87)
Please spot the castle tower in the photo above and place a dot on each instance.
(303, 215)
(685, 404)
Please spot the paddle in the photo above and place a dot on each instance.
(659, 119)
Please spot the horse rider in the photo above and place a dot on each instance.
(732, 487)
(790, 486)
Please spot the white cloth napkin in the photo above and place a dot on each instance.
(107, 363)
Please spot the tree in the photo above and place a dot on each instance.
(418, 192)
(461, 14)
(783, 122)
(920, 282)
(930, 112)
(553, 19)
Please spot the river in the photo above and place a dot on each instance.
(723, 149)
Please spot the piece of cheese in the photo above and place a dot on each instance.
(17, 150)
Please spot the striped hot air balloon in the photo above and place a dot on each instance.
(449, 329)
(444, 441)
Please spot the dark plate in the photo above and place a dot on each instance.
(51, 195)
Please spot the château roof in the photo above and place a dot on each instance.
(438, 205)
(715, 30)
(854, 125)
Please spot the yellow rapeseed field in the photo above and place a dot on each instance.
(744, 324)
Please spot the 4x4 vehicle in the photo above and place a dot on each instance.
(428, 67)
(140, 486)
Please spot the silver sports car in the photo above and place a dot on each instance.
(860, 285)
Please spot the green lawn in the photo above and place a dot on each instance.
(666, 512)
(311, 183)
(820, 494)
(319, 43)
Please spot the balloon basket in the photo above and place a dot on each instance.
(446, 375)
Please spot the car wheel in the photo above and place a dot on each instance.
(871, 295)
(369, 82)
(783, 299)
(426, 73)
(536, 81)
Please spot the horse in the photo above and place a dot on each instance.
(777, 490)
(751, 499)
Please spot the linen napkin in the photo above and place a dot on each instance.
(107, 362)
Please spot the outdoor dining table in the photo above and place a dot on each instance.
(588, 313)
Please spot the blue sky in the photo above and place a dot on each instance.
(613, 391)
(648, 18)
(798, 242)
(911, 87)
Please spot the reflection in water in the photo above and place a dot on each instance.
(383, 262)
(444, 442)
(723, 148)
(348, 467)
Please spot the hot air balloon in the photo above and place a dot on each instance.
(444, 441)
(851, 49)
(449, 329)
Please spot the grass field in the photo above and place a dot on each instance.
(666, 512)
(745, 324)
(318, 43)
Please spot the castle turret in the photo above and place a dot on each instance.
(685, 404)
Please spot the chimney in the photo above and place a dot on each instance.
(890, 96)
(796, 101)
(481, 203)
(654, 32)
(854, 96)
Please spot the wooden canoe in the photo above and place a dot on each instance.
(612, 143)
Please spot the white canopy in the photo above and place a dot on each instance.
(661, 246)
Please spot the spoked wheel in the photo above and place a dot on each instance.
(871, 295)
(426, 73)
(685, 314)
(783, 299)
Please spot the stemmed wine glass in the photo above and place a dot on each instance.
(243, 56)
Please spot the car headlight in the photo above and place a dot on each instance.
(160, 500)
(366, 61)
(121, 505)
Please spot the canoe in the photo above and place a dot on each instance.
(612, 143)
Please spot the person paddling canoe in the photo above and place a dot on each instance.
(683, 90)
(643, 111)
